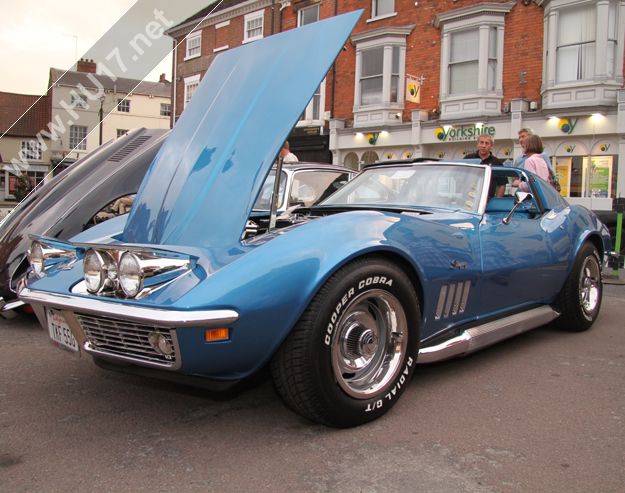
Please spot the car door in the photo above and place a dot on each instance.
(524, 261)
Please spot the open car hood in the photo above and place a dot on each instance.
(202, 185)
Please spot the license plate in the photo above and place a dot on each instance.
(60, 332)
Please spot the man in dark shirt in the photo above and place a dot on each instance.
(484, 145)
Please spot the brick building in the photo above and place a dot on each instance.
(425, 78)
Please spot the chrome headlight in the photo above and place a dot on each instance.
(130, 274)
(36, 257)
(94, 269)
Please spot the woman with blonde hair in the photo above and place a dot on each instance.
(534, 163)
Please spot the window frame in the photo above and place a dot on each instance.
(123, 105)
(489, 20)
(165, 111)
(601, 88)
(252, 16)
(79, 101)
(388, 44)
(374, 8)
(26, 150)
(300, 14)
(79, 141)
(192, 37)
(193, 80)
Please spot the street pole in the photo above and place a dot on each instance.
(101, 104)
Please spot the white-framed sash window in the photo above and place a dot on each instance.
(253, 26)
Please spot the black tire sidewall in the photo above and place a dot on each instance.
(344, 409)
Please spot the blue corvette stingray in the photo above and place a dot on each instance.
(409, 262)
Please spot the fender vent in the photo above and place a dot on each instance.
(452, 300)
(129, 148)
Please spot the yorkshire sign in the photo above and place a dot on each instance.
(451, 134)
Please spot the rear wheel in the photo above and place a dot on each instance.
(351, 354)
(580, 298)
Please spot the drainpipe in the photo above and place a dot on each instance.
(174, 81)
(273, 5)
(333, 72)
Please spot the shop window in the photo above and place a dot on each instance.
(577, 180)
(583, 60)
(351, 161)
(78, 137)
(194, 45)
(190, 86)
(472, 60)
(253, 26)
(370, 157)
(380, 72)
(31, 150)
(121, 132)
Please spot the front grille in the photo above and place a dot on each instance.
(126, 339)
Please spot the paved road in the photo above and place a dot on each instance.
(543, 412)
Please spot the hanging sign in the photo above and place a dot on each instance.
(413, 90)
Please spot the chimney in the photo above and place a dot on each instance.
(163, 79)
(88, 66)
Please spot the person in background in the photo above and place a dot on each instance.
(534, 161)
(484, 145)
(520, 161)
(287, 155)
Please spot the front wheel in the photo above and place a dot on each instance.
(351, 354)
(580, 298)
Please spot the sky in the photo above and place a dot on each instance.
(38, 34)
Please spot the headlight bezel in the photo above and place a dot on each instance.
(137, 285)
(153, 269)
(44, 253)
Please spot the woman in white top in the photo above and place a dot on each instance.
(534, 163)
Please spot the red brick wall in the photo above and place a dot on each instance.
(523, 47)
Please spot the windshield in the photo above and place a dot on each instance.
(447, 186)
(263, 202)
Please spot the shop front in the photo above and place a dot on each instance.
(572, 141)
(36, 173)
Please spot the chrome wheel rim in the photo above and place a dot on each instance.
(369, 343)
(590, 285)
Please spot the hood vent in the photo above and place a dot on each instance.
(129, 148)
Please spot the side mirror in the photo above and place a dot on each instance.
(520, 198)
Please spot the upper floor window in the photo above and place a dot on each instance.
(372, 87)
(253, 26)
(79, 101)
(383, 8)
(78, 137)
(380, 73)
(464, 62)
(123, 105)
(31, 150)
(190, 85)
(308, 15)
(165, 109)
(194, 45)
(583, 58)
(472, 37)
(576, 48)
